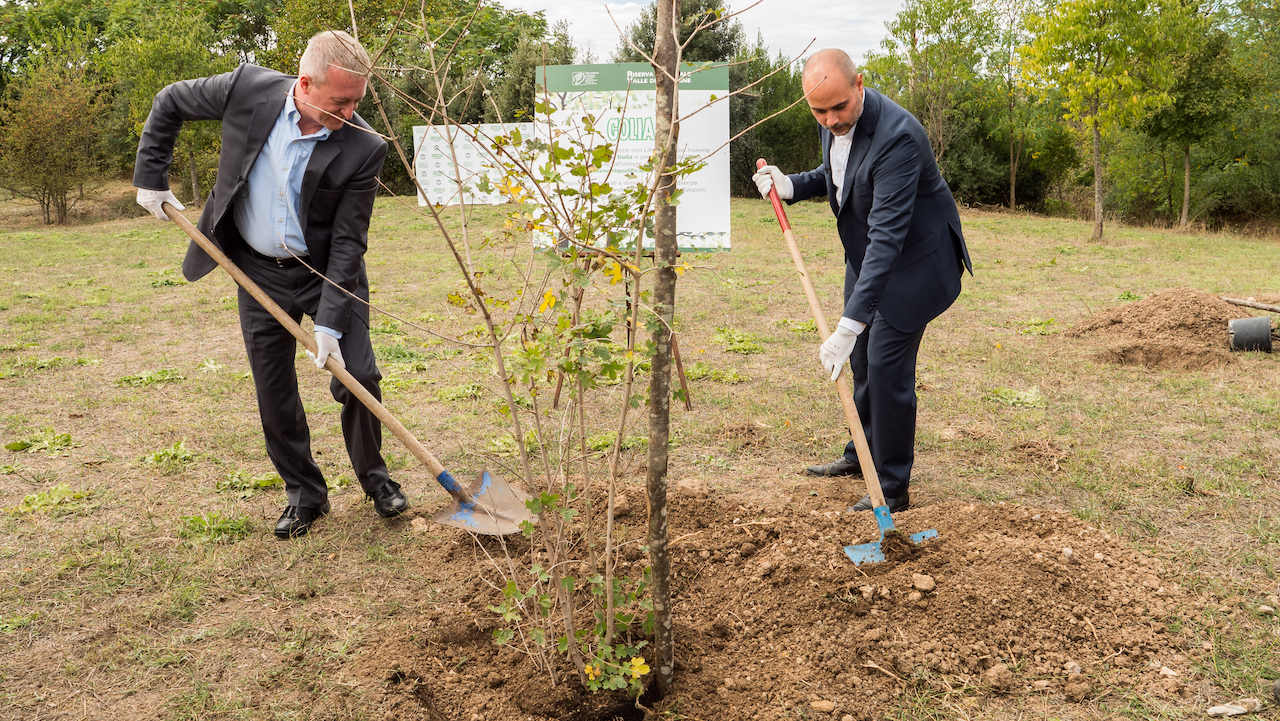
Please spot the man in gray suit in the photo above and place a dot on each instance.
(297, 178)
(904, 256)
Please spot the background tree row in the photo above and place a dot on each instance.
(1160, 111)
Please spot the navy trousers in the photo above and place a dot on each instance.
(884, 391)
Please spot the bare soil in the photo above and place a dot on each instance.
(773, 619)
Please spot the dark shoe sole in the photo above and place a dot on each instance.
(393, 513)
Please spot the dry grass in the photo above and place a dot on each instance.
(110, 604)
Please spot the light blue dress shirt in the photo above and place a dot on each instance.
(268, 217)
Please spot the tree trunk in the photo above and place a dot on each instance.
(1014, 157)
(195, 179)
(1186, 187)
(1097, 179)
(1164, 170)
(666, 57)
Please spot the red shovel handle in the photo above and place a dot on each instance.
(777, 202)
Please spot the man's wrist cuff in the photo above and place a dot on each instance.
(850, 324)
(329, 331)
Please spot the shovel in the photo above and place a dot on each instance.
(866, 552)
(489, 507)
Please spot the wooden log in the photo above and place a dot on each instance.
(1253, 304)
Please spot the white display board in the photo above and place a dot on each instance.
(439, 163)
(622, 98)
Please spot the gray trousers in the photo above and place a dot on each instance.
(272, 358)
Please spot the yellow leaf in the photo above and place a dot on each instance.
(548, 302)
(638, 667)
(613, 272)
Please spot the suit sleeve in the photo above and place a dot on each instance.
(186, 100)
(896, 177)
(809, 184)
(350, 240)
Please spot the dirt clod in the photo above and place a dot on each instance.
(898, 548)
(1076, 691)
(999, 678)
(621, 506)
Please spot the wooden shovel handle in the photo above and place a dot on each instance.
(842, 384)
(308, 342)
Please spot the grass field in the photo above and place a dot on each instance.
(138, 572)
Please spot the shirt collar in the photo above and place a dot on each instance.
(292, 115)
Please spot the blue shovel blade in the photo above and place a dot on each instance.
(865, 553)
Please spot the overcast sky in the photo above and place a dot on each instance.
(787, 26)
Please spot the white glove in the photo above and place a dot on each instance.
(153, 199)
(327, 346)
(768, 177)
(835, 351)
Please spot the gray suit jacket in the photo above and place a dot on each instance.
(338, 187)
(903, 246)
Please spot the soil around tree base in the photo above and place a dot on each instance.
(773, 619)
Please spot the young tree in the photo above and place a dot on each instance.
(1112, 60)
(715, 43)
(1009, 33)
(1207, 90)
(49, 127)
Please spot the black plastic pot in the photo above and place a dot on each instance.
(1250, 333)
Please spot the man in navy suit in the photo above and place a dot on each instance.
(297, 177)
(904, 256)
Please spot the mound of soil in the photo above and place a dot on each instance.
(1175, 329)
(773, 619)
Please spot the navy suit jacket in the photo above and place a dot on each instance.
(898, 222)
(338, 186)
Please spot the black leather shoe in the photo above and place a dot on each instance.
(842, 467)
(297, 521)
(901, 503)
(389, 501)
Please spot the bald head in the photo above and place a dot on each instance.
(831, 62)
(833, 88)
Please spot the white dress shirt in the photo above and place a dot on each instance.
(268, 217)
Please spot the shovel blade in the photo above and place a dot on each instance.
(865, 553)
(490, 507)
